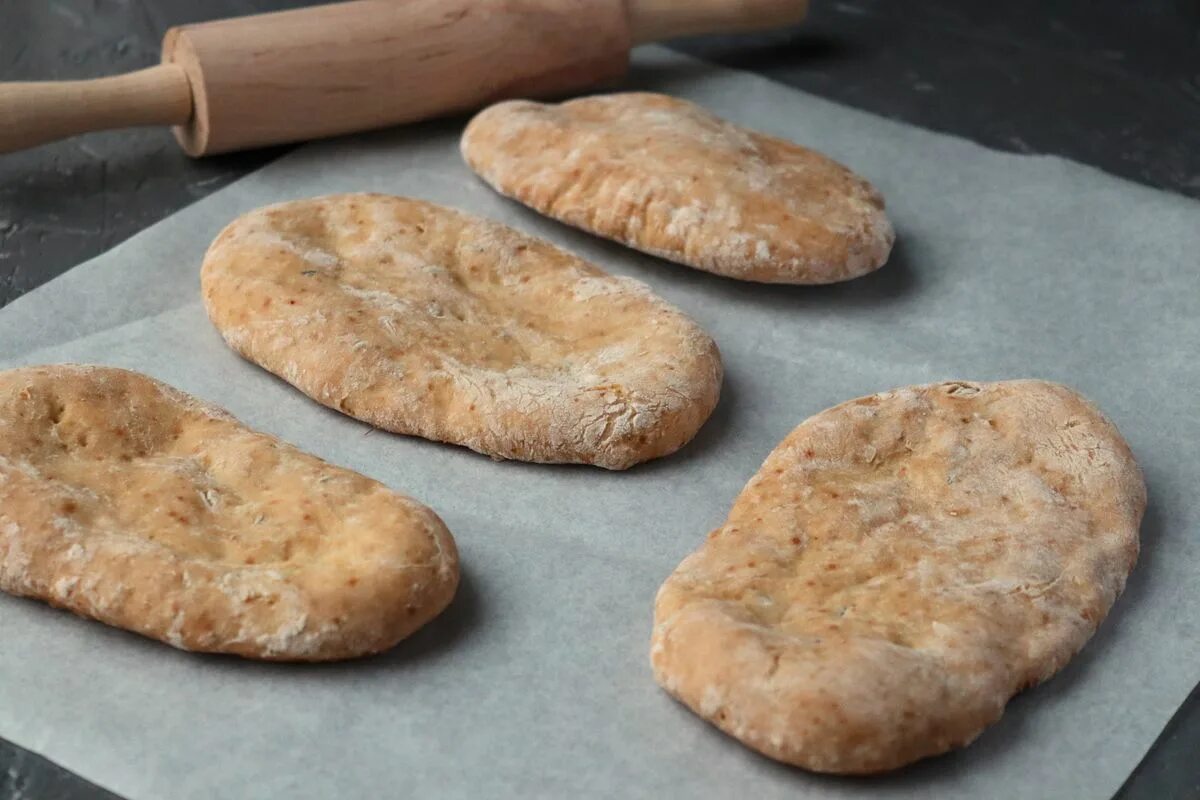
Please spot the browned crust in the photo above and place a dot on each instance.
(899, 567)
(127, 501)
(422, 320)
(667, 177)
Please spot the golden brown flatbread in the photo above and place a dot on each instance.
(667, 177)
(423, 320)
(127, 501)
(899, 567)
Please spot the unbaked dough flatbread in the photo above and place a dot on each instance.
(665, 176)
(423, 320)
(127, 501)
(899, 567)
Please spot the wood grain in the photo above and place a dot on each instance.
(353, 66)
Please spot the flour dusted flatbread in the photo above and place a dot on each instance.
(132, 503)
(899, 567)
(419, 319)
(666, 177)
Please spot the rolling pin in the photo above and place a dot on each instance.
(327, 70)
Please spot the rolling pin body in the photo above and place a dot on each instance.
(318, 72)
(352, 66)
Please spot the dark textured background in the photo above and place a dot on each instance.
(1111, 83)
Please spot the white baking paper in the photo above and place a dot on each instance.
(535, 683)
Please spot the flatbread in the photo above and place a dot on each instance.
(127, 501)
(423, 320)
(666, 177)
(899, 567)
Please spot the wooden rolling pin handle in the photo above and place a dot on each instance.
(654, 20)
(34, 113)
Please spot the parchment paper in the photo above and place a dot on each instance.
(536, 682)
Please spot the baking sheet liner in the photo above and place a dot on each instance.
(536, 681)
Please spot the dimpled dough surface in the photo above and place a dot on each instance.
(422, 320)
(669, 178)
(127, 501)
(899, 567)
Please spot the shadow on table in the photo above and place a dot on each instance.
(895, 281)
(436, 639)
(796, 47)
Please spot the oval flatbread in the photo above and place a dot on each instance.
(899, 567)
(132, 503)
(666, 177)
(422, 320)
